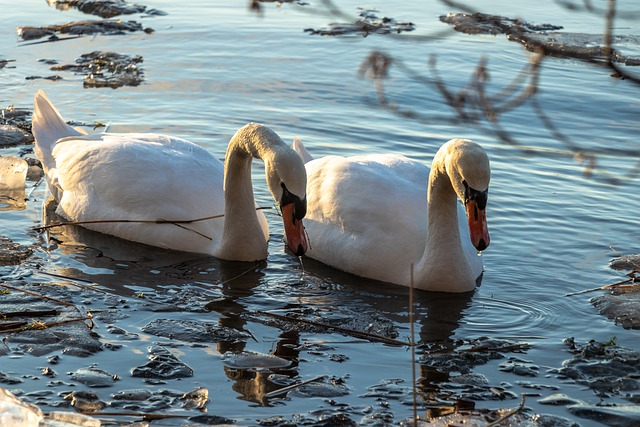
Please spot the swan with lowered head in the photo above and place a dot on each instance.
(377, 215)
(129, 177)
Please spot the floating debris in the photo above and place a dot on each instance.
(137, 395)
(18, 117)
(613, 415)
(4, 62)
(13, 173)
(621, 307)
(254, 360)
(162, 365)
(104, 8)
(368, 23)
(191, 331)
(482, 23)
(543, 37)
(94, 377)
(106, 69)
(81, 28)
(11, 135)
(197, 398)
(604, 367)
(85, 401)
(12, 253)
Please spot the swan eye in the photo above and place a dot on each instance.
(300, 205)
(480, 197)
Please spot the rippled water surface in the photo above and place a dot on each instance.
(210, 67)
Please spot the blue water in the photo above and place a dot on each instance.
(211, 67)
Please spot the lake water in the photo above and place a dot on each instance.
(211, 67)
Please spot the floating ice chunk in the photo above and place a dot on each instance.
(71, 419)
(13, 412)
(13, 173)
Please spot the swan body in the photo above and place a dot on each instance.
(128, 177)
(378, 216)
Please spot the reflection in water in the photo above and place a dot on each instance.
(13, 199)
(236, 291)
(253, 384)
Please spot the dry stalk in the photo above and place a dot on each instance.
(353, 332)
(509, 414)
(413, 353)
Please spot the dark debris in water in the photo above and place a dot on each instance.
(5, 62)
(367, 23)
(106, 27)
(163, 365)
(105, 8)
(622, 301)
(39, 326)
(94, 377)
(544, 37)
(482, 23)
(17, 118)
(106, 69)
(192, 331)
(605, 368)
(12, 253)
(475, 352)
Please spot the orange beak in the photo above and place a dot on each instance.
(477, 225)
(294, 230)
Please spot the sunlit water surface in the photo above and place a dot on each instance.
(211, 67)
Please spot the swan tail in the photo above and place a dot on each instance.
(48, 127)
(299, 148)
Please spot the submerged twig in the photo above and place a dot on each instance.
(348, 331)
(292, 386)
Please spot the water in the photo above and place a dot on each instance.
(211, 67)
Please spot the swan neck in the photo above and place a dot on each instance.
(442, 210)
(243, 237)
(444, 265)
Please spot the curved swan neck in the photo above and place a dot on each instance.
(443, 266)
(243, 237)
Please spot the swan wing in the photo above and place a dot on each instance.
(367, 214)
(141, 177)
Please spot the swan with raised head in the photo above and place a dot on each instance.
(377, 215)
(128, 179)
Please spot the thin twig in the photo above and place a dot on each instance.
(39, 325)
(348, 331)
(4, 285)
(509, 414)
(177, 223)
(292, 386)
(620, 284)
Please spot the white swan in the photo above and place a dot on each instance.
(376, 215)
(140, 176)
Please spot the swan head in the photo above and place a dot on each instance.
(467, 165)
(287, 181)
